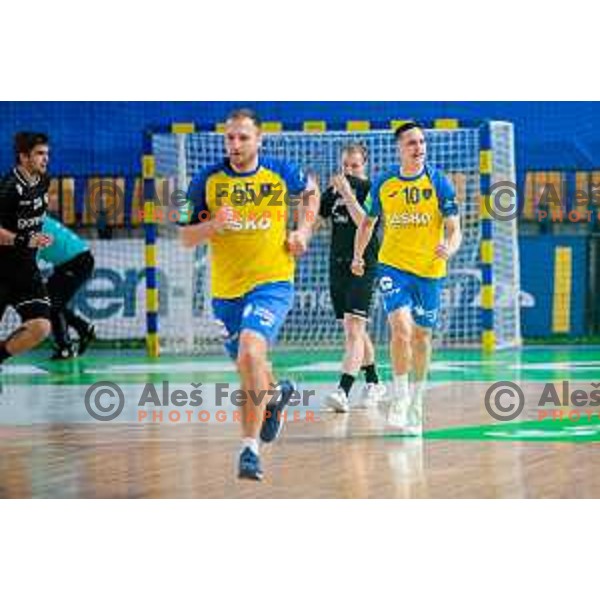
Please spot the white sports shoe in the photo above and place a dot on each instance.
(414, 417)
(397, 413)
(338, 401)
(371, 395)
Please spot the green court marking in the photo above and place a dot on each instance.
(534, 364)
(546, 430)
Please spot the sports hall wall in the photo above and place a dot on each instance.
(557, 143)
(105, 137)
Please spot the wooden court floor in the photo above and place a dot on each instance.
(336, 456)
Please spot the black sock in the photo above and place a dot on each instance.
(60, 329)
(370, 373)
(4, 353)
(346, 382)
(79, 324)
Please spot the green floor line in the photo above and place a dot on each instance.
(527, 364)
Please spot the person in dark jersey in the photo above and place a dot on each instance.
(351, 296)
(23, 203)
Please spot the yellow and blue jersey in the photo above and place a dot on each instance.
(253, 252)
(413, 210)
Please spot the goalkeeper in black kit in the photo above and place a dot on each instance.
(23, 203)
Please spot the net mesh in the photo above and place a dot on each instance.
(187, 325)
(507, 290)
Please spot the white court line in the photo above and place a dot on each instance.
(179, 367)
(584, 431)
(9, 369)
(590, 365)
(439, 366)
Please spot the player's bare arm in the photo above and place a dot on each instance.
(298, 239)
(364, 232)
(342, 186)
(7, 238)
(453, 238)
(201, 233)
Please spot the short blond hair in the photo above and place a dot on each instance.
(245, 113)
(356, 148)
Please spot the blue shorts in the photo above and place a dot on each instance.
(400, 289)
(262, 310)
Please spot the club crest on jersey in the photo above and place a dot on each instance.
(386, 284)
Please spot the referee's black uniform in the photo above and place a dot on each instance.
(349, 294)
(22, 209)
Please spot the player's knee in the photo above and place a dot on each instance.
(401, 332)
(40, 329)
(249, 360)
(354, 332)
(251, 356)
(353, 340)
(422, 337)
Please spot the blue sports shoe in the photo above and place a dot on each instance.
(250, 465)
(273, 423)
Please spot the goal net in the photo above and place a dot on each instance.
(186, 323)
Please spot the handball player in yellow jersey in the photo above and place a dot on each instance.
(421, 232)
(241, 209)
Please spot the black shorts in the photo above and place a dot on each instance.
(22, 287)
(67, 278)
(351, 294)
